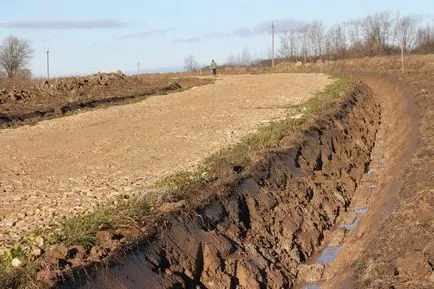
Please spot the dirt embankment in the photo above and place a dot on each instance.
(22, 103)
(400, 251)
(256, 231)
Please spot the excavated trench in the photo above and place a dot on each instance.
(258, 231)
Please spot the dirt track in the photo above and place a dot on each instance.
(62, 166)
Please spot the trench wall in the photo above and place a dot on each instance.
(258, 233)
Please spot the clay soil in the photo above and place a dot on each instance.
(65, 166)
(399, 248)
(256, 229)
(267, 229)
(263, 225)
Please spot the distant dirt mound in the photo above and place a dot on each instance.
(23, 104)
(47, 89)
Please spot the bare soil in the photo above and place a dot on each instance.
(366, 163)
(29, 101)
(65, 166)
(267, 230)
(256, 230)
(377, 192)
(400, 248)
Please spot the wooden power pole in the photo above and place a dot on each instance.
(138, 70)
(272, 44)
(402, 58)
(48, 64)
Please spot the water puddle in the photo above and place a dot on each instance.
(361, 211)
(352, 226)
(311, 287)
(329, 254)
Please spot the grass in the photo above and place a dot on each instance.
(82, 230)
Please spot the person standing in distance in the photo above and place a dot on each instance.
(214, 68)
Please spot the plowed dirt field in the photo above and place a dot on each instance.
(64, 166)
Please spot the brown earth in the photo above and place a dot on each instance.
(257, 230)
(393, 246)
(400, 249)
(23, 102)
(265, 229)
(239, 240)
(66, 166)
(377, 190)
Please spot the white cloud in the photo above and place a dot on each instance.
(281, 25)
(65, 24)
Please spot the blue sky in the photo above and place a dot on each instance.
(90, 36)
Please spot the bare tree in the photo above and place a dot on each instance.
(425, 40)
(284, 50)
(190, 64)
(316, 37)
(377, 31)
(246, 58)
(304, 39)
(289, 44)
(336, 41)
(354, 38)
(15, 54)
(231, 60)
(405, 32)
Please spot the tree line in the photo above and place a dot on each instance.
(378, 34)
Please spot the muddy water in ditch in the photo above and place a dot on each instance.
(258, 231)
(249, 228)
(378, 189)
(330, 253)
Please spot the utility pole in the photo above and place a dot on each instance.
(402, 57)
(272, 44)
(138, 70)
(48, 64)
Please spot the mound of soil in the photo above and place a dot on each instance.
(255, 230)
(23, 104)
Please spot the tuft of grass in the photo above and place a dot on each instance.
(81, 230)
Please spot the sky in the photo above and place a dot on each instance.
(85, 36)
